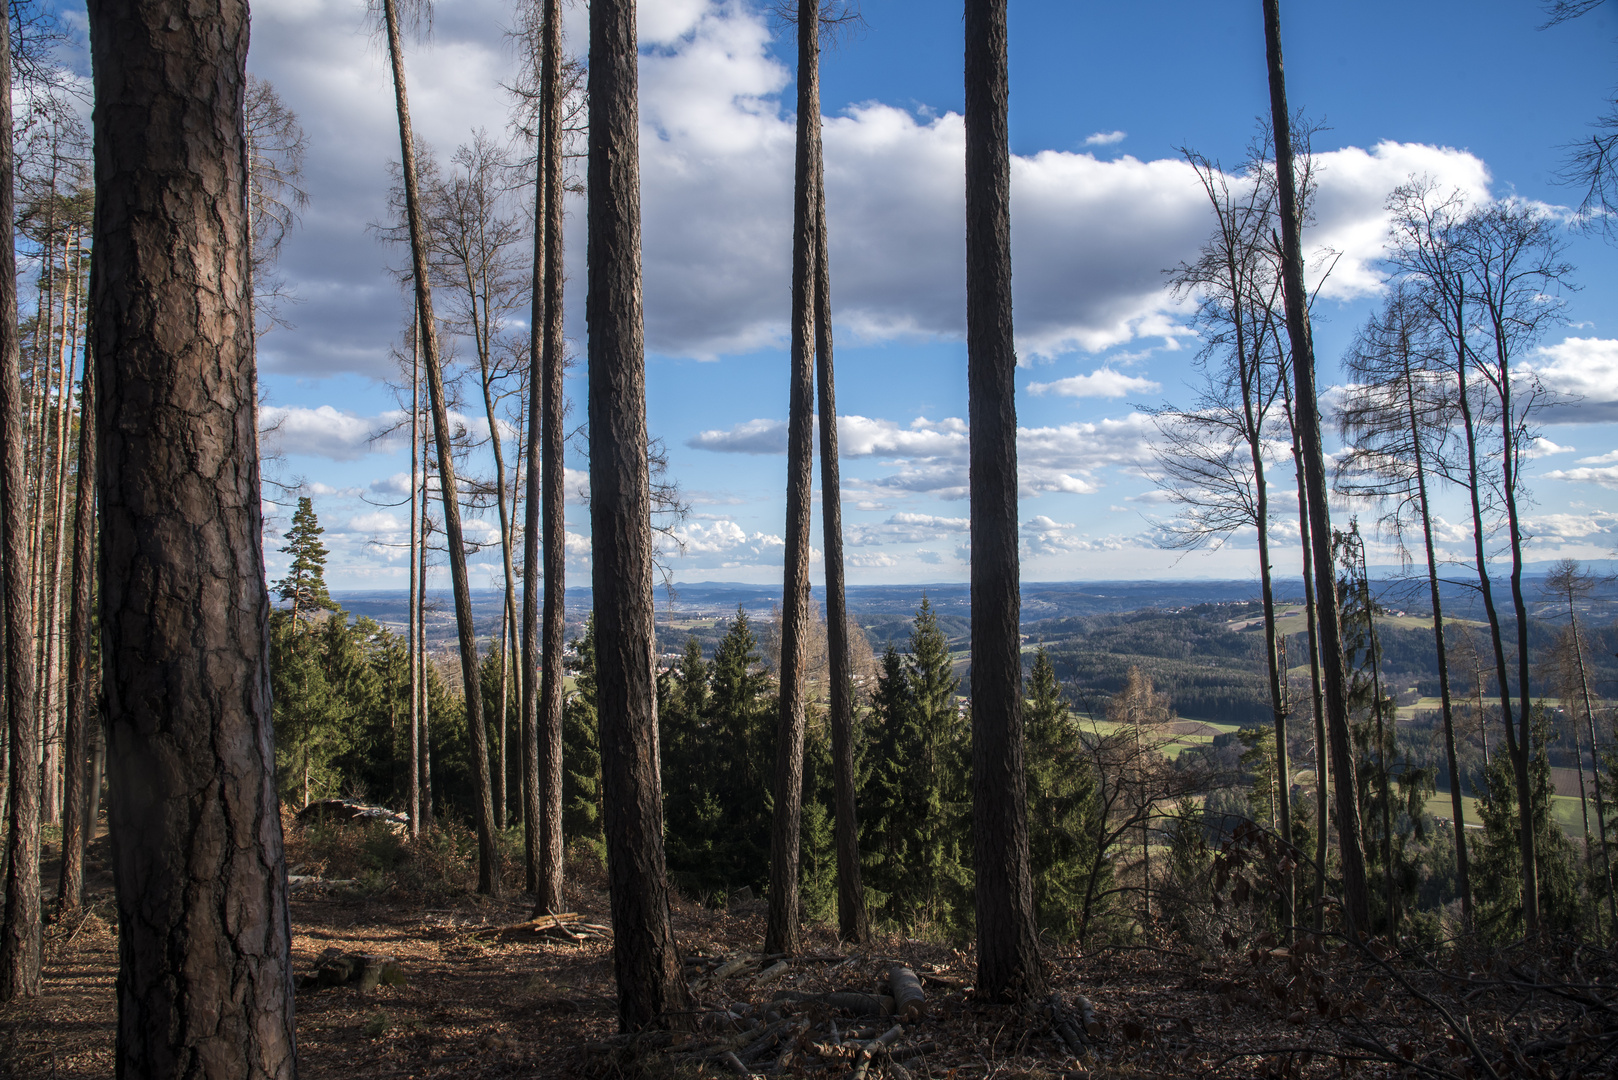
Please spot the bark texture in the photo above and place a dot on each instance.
(20, 943)
(1356, 901)
(651, 985)
(205, 978)
(81, 695)
(1008, 946)
(426, 328)
(853, 919)
(782, 933)
(547, 481)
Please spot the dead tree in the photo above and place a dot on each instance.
(427, 328)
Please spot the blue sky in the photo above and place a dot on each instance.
(1472, 94)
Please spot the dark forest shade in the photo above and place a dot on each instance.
(205, 987)
(1008, 946)
(650, 983)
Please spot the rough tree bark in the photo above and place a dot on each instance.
(853, 919)
(1356, 901)
(782, 932)
(547, 479)
(426, 327)
(81, 696)
(1008, 946)
(651, 985)
(205, 978)
(20, 943)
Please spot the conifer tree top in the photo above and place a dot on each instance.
(305, 583)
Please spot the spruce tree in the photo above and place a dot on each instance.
(305, 583)
(581, 748)
(1064, 808)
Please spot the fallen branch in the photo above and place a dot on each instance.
(909, 999)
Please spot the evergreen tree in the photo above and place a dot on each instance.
(719, 741)
(581, 749)
(918, 828)
(1064, 810)
(305, 583)
(1497, 883)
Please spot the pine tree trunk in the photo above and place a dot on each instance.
(426, 763)
(1356, 901)
(488, 852)
(51, 698)
(651, 985)
(205, 982)
(782, 933)
(853, 919)
(81, 696)
(543, 634)
(1008, 946)
(20, 941)
(414, 638)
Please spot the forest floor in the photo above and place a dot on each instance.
(477, 1004)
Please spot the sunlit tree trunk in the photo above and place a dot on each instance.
(205, 979)
(488, 852)
(651, 985)
(413, 635)
(853, 919)
(1355, 898)
(82, 714)
(543, 633)
(20, 942)
(782, 933)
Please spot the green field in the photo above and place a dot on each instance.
(1181, 741)
(1564, 807)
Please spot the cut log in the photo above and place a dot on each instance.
(852, 1001)
(372, 966)
(730, 1061)
(1067, 1027)
(862, 1064)
(771, 973)
(909, 999)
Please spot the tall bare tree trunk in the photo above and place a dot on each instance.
(81, 696)
(1463, 872)
(427, 328)
(50, 683)
(1316, 696)
(1356, 901)
(413, 612)
(1595, 759)
(1008, 945)
(543, 638)
(205, 980)
(782, 933)
(853, 919)
(423, 660)
(651, 985)
(20, 940)
(1516, 750)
